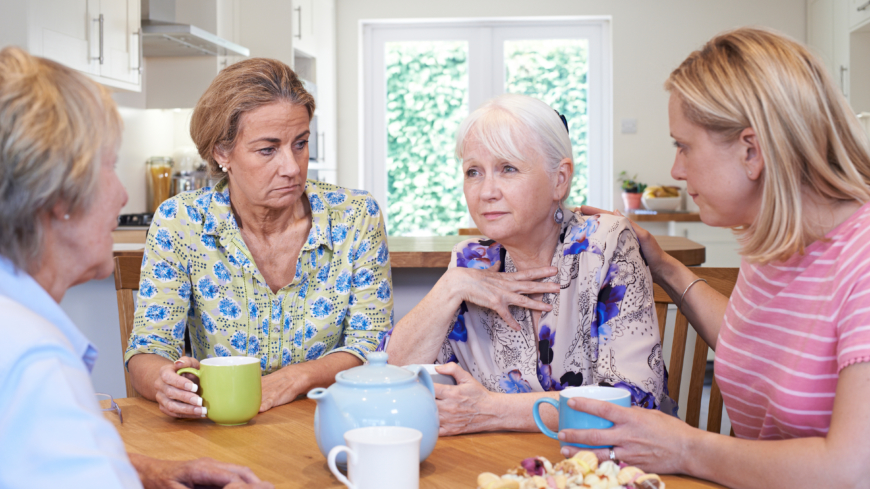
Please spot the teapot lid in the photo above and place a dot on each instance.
(374, 372)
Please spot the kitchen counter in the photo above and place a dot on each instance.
(429, 251)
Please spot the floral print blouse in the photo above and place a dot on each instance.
(602, 330)
(198, 276)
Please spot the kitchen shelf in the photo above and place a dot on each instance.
(648, 216)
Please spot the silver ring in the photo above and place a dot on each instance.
(612, 455)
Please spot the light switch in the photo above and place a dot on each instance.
(629, 126)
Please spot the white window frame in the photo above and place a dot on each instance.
(483, 85)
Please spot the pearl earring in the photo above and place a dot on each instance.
(223, 169)
(66, 217)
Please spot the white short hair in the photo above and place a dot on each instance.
(499, 121)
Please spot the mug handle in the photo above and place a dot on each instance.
(330, 459)
(537, 415)
(190, 370)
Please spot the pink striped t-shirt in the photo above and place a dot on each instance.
(790, 328)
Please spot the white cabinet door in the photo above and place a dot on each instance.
(828, 36)
(63, 32)
(303, 26)
(120, 40)
(859, 12)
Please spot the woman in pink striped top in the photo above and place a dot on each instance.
(769, 147)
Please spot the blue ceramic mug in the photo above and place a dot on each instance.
(571, 419)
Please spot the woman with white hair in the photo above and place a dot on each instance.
(59, 202)
(551, 300)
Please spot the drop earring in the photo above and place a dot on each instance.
(558, 216)
(223, 169)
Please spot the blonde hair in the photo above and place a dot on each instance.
(808, 135)
(237, 89)
(55, 125)
(499, 121)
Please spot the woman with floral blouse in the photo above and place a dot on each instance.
(552, 300)
(265, 264)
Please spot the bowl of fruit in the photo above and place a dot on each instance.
(662, 198)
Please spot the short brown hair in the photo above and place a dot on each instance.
(55, 124)
(807, 133)
(237, 89)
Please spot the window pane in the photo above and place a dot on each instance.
(427, 99)
(554, 70)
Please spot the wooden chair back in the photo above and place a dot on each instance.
(469, 232)
(127, 268)
(723, 280)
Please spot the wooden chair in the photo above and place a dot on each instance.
(723, 280)
(127, 268)
(469, 232)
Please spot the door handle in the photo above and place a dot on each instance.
(864, 7)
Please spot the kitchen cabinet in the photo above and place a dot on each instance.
(859, 13)
(303, 26)
(97, 37)
(828, 36)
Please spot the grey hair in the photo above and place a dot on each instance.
(499, 121)
(55, 124)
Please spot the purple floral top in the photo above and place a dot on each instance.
(602, 329)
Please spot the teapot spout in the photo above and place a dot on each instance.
(319, 394)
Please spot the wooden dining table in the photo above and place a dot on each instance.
(280, 447)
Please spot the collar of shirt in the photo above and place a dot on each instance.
(225, 229)
(17, 285)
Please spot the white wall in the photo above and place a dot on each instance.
(650, 39)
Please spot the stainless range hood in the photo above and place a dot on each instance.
(161, 36)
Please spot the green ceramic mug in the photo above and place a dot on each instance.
(230, 388)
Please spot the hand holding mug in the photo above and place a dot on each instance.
(579, 420)
(231, 388)
(177, 394)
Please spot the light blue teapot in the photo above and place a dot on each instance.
(376, 394)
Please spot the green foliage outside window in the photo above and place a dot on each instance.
(555, 71)
(427, 99)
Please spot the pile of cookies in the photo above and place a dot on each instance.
(581, 471)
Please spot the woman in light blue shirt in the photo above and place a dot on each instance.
(59, 202)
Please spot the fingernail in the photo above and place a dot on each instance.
(562, 435)
(196, 400)
(192, 387)
(204, 411)
(179, 362)
(565, 451)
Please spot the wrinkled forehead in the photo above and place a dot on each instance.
(501, 135)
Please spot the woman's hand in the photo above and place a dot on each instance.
(655, 256)
(175, 394)
(166, 474)
(496, 291)
(647, 439)
(282, 387)
(467, 407)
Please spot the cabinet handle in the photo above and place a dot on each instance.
(864, 7)
(101, 20)
(299, 22)
(843, 70)
(138, 33)
(321, 148)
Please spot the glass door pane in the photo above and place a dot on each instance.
(427, 99)
(556, 71)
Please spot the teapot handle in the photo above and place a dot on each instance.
(424, 377)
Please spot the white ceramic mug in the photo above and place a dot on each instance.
(436, 377)
(380, 457)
